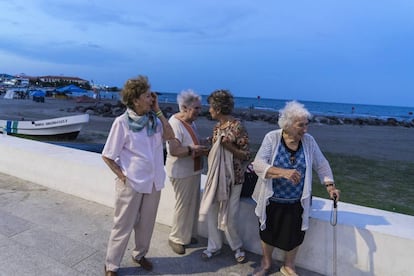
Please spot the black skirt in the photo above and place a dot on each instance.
(283, 225)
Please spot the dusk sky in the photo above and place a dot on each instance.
(347, 51)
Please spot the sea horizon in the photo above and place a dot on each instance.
(316, 108)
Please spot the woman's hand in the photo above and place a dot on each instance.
(155, 105)
(333, 191)
(123, 179)
(292, 175)
(115, 168)
(199, 150)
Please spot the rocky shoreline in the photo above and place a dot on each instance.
(111, 109)
(335, 135)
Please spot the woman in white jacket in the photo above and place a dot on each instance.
(284, 166)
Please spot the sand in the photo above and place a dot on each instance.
(371, 142)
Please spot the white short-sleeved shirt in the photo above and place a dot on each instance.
(180, 167)
(140, 157)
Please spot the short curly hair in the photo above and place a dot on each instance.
(133, 89)
(291, 112)
(221, 100)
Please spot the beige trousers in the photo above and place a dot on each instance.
(133, 211)
(215, 239)
(187, 204)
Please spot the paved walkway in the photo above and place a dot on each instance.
(45, 232)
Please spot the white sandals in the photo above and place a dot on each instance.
(240, 255)
(207, 254)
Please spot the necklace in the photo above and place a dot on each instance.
(292, 153)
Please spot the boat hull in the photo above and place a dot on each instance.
(69, 136)
(62, 128)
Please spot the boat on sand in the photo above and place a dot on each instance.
(61, 128)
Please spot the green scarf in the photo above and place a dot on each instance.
(136, 123)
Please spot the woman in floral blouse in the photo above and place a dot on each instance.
(227, 162)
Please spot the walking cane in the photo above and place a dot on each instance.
(334, 219)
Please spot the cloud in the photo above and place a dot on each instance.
(63, 52)
(294, 46)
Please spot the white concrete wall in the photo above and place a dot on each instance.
(369, 241)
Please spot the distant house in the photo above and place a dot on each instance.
(10, 80)
(23, 80)
(63, 78)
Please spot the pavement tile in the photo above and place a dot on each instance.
(46, 232)
(11, 225)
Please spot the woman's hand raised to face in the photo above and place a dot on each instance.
(155, 106)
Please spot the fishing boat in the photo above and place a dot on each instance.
(61, 128)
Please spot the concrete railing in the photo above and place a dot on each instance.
(368, 241)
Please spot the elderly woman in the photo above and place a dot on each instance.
(283, 192)
(184, 167)
(227, 162)
(134, 152)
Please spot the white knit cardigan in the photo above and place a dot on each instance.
(314, 158)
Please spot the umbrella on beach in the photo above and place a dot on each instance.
(70, 89)
(38, 93)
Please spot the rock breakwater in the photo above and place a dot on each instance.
(110, 109)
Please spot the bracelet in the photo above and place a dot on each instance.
(190, 150)
(159, 113)
(329, 184)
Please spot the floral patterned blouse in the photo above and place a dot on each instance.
(234, 132)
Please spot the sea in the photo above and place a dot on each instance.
(344, 110)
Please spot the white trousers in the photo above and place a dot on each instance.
(187, 204)
(133, 211)
(215, 238)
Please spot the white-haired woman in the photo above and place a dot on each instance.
(284, 165)
(184, 167)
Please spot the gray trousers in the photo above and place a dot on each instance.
(187, 204)
(133, 211)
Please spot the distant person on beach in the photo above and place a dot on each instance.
(134, 152)
(184, 167)
(227, 162)
(283, 191)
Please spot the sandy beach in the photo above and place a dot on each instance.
(371, 142)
